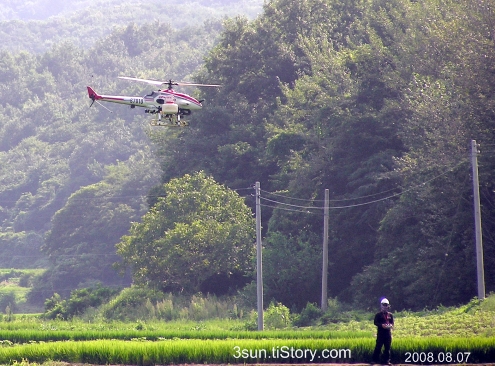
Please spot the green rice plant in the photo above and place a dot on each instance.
(434, 326)
(472, 350)
(36, 335)
(168, 352)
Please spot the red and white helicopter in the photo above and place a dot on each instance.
(169, 105)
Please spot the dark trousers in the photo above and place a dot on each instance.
(384, 341)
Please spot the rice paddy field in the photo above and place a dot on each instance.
(444, 336)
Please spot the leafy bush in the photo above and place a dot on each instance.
(78, 302)
(277, 316)
(25, 279)
(488, 304)
(7, 302)
(252, 321)
(135, 303)
(309, 315)
(338, 312)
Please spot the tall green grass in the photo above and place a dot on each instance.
(232, 351)
(34, 335)
(142, 303)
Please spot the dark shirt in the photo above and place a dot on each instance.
(383, 318)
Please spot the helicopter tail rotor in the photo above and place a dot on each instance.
(94, 96)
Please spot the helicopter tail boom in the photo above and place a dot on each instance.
(132, 101)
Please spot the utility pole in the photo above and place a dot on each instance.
(477, 221)
(324, 271)
(259, 276)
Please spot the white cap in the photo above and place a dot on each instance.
(385, 301)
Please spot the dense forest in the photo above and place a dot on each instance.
(73, 177)
(36, 26)
(376, 101)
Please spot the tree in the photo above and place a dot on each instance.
(425, 252)
(197, 230)
(81, 242)
(52, 147)
(292, 269)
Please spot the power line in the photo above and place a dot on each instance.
(289, 205)
(34, 199)
(333, 207)
(334, 200)
(288, 209)
(357, 204)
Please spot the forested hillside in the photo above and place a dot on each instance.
(56, 153)
(376, 101)
(36, 26)
(43, 9)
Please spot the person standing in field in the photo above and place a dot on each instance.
(384, 321)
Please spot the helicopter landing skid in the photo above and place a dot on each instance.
(168, 123)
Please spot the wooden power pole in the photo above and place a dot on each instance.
(477, 221)
(324, 271)
(259, 270)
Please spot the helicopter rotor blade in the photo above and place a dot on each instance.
(152, 82)
(195, 84)
(169, 83)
